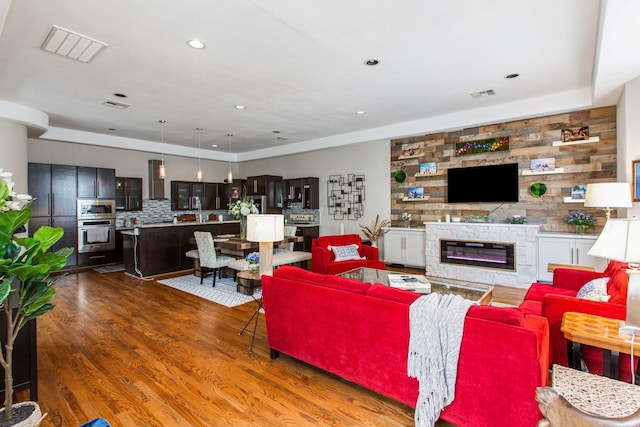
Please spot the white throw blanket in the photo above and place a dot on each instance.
(436, 324)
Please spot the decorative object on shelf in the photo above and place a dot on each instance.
(407, 217)
(412, 150)
(517, 219)
(253, 259)
(26, 288)
(482, 146)
(581, 220)
(478, 218)
(635, 166)
(608, 195)
(428, 168)
(575, 134)
(240, 209)
(578, 192)
(538, 189)
(400, 175)
(376, 230)
(542, 165)
(346, 196)
(415, 193)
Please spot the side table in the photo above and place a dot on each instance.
(597, 331)
(248, 281)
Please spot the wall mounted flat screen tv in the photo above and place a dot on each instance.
(494, 183)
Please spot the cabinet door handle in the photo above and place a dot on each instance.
(572, 256)
(217, 202)
(49, 204)
(578, 256)
(97, 256)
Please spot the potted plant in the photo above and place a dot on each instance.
(376, 230)
(581, 220)
(26, 288)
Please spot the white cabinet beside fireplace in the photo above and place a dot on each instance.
(569, 249)
(405, 246)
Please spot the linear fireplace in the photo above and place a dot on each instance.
(479, 254)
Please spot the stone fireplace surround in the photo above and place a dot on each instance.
(523, 235)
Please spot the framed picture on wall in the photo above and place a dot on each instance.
(635, 166)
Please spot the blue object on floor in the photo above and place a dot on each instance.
(98, 422)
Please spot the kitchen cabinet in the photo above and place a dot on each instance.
(267, 185)
(215, 196)
(98, 183)
(184, 194)
(55, 187)
(235, 189)
(405, 246)
(308, 233)
(128, 194)
(304, 191)
(568, 249)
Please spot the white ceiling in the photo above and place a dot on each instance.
(298, 67)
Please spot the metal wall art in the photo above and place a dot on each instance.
(346, 196)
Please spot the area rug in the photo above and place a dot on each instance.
(109, 268)
(223, 293)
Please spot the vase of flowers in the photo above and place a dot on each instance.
(407, 217)
(253, 259)
(26, 288)
(240, 209)
(581, 220)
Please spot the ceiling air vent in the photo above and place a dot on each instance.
(71, 44)
(483, 94)
(113, 104)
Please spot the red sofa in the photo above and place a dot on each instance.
(552, 301)
(360, 332)
(323, 259)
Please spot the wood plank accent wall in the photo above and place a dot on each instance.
(529, 139)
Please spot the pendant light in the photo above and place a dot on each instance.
(199, 171)
(162, 173)
(230, 174)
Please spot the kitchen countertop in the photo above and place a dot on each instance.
(171, 224)
(303, 225)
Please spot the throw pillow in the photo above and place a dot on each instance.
(345, 253)
(595, 290)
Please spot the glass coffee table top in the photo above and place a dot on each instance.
(478, 292)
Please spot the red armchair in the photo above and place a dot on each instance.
(552, 301)
(324, 261)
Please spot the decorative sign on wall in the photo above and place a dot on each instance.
(346, 196)
(482, 146)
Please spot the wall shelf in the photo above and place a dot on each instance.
(570, 200)
(413, 199)
(425, 175)
(412, 156)
(556, 170)
(584, 141)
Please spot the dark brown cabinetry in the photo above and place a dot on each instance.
(128, 194)
(184, 194)
(98, 183)
(25, 359)
(308, 233)
(215, 196)
(267, 185)
(304, 191)
(54, 186)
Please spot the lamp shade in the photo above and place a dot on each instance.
(265, 228)
(608, 195)
(619, 241)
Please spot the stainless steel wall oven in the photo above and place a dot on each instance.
(96, 225)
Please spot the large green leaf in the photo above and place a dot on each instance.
(5, 289)
(12, 221)
(48, 236)
(42, 310)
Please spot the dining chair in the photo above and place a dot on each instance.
(208, 258)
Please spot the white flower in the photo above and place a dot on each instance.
(406, 216)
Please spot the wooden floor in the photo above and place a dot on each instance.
(142, 354)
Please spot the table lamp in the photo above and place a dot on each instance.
(265, 229)
(608, 195)
(620, 241)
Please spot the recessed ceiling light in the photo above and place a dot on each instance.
(112, 129)
(275, 131)
(371, 62)
(240, 107)
(120, 95)
(360, 112)
(196, 44)
(281, 138)
(114, 104)
(214, 145)
(511, 76)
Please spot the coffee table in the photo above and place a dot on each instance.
(482, 294)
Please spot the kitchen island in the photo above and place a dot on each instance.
(161, 248)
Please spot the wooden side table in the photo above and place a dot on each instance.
(596, 331)
(248, 281)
